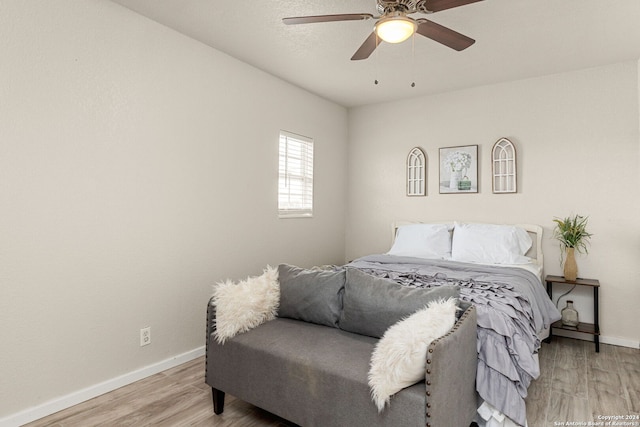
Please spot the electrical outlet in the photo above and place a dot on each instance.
(145, 336)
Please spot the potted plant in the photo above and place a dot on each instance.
(572, 234)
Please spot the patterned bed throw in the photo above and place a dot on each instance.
(512, 308)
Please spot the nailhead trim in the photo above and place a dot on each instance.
(432, 346)
(209, 329)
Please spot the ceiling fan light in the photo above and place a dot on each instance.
(395, 29)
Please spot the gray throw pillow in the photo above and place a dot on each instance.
(311, 295)
(463, 306)
(372, 304)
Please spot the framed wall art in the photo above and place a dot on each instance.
(504, 167)
(416, 173)
(459, 169)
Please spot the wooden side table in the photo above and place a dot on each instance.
(586, 328)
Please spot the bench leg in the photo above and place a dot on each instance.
(218, 400)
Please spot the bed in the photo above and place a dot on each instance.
(499, 269)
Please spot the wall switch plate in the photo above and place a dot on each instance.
(145, 336)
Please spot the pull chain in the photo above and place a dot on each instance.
(375, 81)
(413, 60)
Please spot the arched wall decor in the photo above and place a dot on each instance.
(416, 173)
(504, 167)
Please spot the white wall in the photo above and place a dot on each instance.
(577, 136)
(137, 168)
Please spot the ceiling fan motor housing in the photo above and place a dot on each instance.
(406, 6)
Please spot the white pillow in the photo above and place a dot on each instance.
(399, 359)
(431, 241)
(490, 244)
(244, 305)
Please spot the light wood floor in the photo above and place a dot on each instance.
(576, 384)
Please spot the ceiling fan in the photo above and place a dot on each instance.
(395, 26)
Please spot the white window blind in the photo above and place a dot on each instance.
(295, 182)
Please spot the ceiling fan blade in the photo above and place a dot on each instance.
(443, 35)
(438, 5)
(367, 48)
(327, 18)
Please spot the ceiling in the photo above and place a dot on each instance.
(515, 39)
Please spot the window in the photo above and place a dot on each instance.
(295, 181)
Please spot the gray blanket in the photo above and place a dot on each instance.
(512, 308)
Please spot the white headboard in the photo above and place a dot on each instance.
(535, 231)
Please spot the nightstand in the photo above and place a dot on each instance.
(585, 328)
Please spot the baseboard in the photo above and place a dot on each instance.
(621, 342)
(64, 402)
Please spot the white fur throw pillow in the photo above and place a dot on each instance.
(244, 305)
(399, 359)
